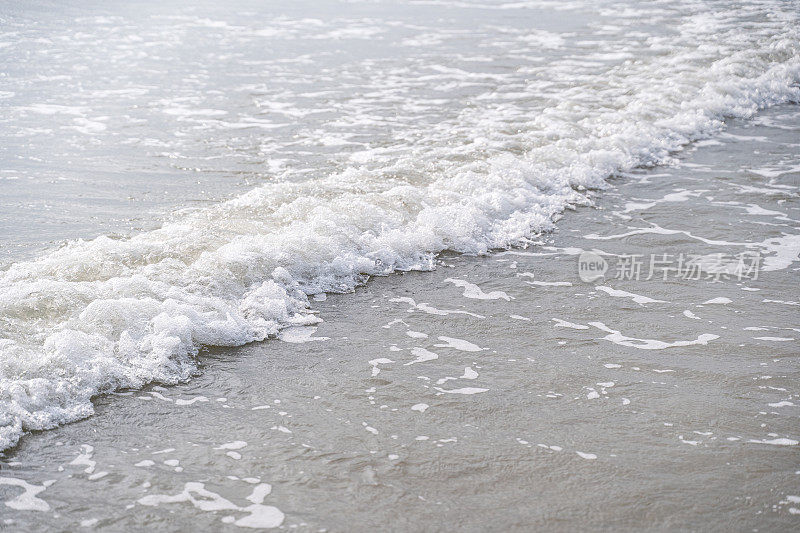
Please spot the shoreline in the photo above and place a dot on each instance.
(405, 149)
(535, 394)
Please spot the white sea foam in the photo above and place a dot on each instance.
(95, 316)
(422, 355)
(650, 344)
(458, 344)
(258, 515)
(463, 390)
(300, 334)
(564, 324)
(380, 361)
(616, 293)
(473, 291)
(426, 308)
(776, 442)
(29, 499)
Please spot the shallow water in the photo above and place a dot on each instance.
(380, 136)
(240, 165)
(491, 394)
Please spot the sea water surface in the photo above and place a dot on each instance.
(174, 178)
(496, 393)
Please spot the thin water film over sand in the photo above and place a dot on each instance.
(495, 393)
(370, 266)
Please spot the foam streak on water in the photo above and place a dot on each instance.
(436, 152)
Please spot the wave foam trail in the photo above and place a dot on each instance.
(110, 313)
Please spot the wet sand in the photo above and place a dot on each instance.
(498, 393)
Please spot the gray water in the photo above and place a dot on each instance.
(549, 427)
(115, 115)
(316, 266)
